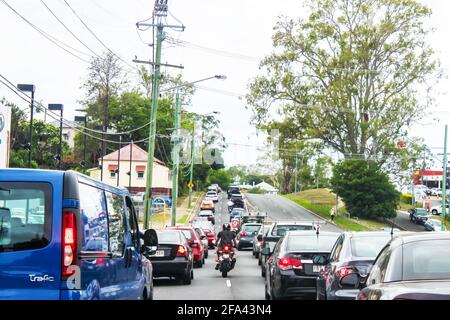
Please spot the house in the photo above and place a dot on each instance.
(114, 169)
(267, 188)
(68, 132)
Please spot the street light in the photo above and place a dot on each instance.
(83, 119)
(29, 88)
(58, 107)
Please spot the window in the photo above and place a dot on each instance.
(368, 246)
(25, 215)
(94, 219)
(140, 174)
(378, 270)
(310, 243)
(112, 174)
(280, 230)
(66, 136)
(117, 223)
(336, 251)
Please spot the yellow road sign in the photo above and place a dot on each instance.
(190, 185)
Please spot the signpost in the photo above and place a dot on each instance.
(5, 124)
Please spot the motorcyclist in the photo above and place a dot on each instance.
(225, 237)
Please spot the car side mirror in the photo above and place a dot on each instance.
(202, 237)
(259, 237)
(150, 238)
(350, 281)
(265, 251)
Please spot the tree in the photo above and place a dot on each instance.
(321, 169)
(351, 74)
(220, 177)
(365, 189)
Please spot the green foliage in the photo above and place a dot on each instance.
(406, 198)
(256, 190)
(220, 177)
(365, 189)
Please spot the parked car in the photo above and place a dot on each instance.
(276, 231)
(414, 266)
(212, 195)
(419, 215)
(138, 197)
(82, 218)
(174, 256)
(207, 205)
(204, 240)
(434, 225)
(353, 253)
(246, 235)
(195, 243)
(295, 264)
(208, 214)
(437, 210)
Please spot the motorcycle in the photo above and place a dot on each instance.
(226, 260)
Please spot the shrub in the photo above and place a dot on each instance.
(256, 190)
(406, 199)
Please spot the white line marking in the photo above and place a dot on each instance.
(228, 283)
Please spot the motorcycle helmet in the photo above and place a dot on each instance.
(226, 226)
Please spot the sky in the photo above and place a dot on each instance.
(230, 38)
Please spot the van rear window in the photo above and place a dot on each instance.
(25, 215)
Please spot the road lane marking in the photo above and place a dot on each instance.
(228, 283)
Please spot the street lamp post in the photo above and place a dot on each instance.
(58, 107)
(29, 88)
(83, 119)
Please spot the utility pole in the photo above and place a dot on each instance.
(118, 161)
(175, 159)
(191, 174)
(160, 12)
(444, 178)
(296, 171)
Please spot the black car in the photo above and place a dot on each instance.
(174, 257)
(353, 253)
(419, 215)
(292, 270)
(276, 231)
(233, 190)
(415, 266)
(246, 235)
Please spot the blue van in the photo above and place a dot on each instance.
(64, 235)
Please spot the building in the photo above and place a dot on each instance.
(68, 132)
(267, 188)
(429, 178)
(5, 133)
(114, 169)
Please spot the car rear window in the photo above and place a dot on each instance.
(25, 215)
(188, 234)
(205, 213)
(368, 246)
(169, 237)
(280, 230)
(251, 228)
(322, 243)
(422, 212)
(426, 260)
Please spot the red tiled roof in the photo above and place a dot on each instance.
(140, 168)
(112, 167)
(138, 155)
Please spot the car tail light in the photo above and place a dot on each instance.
(289, 263)
(243, 234)
(182, 252)
(69, 242)
(344, 271)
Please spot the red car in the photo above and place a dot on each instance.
(211, 237)
(196, 244)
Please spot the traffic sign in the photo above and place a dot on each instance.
(190, 185)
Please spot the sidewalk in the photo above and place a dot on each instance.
(183, 214)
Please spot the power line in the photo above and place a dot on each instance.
(95, 36)
(52, 39)
(65, 27)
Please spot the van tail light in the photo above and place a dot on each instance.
(182, 252)
(243, 234)
(69, 242)
(289, 263)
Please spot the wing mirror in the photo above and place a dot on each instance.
(320, 260)
(350, 281)
(265, 251)
(259, 237)
(150, 238)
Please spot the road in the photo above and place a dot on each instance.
(245, 281)
(403, 221)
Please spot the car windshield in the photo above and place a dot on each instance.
(426, 260)
(321, 243)
(188, 234)
(251, 228)
(168, 237)
(368, 246)
(421, 212)
(280, 230)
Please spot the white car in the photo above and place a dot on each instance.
(437, 210)
(212, 195)
(138, 197)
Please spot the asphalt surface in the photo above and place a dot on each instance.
(402, 219)
(244, 282)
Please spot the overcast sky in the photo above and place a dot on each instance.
(233, 36)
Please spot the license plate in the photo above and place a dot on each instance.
(226, 256)
(317, 268)
(159, 253)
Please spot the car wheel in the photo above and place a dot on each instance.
(187, 279)
(199, 264)
(192, 274)
(263, 272)
(206, 254)
(257, 256)
(267, 295)
(203, 260)
(259, 261)
(239, 248)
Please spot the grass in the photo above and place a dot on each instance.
(183, 219)
(320, 201)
